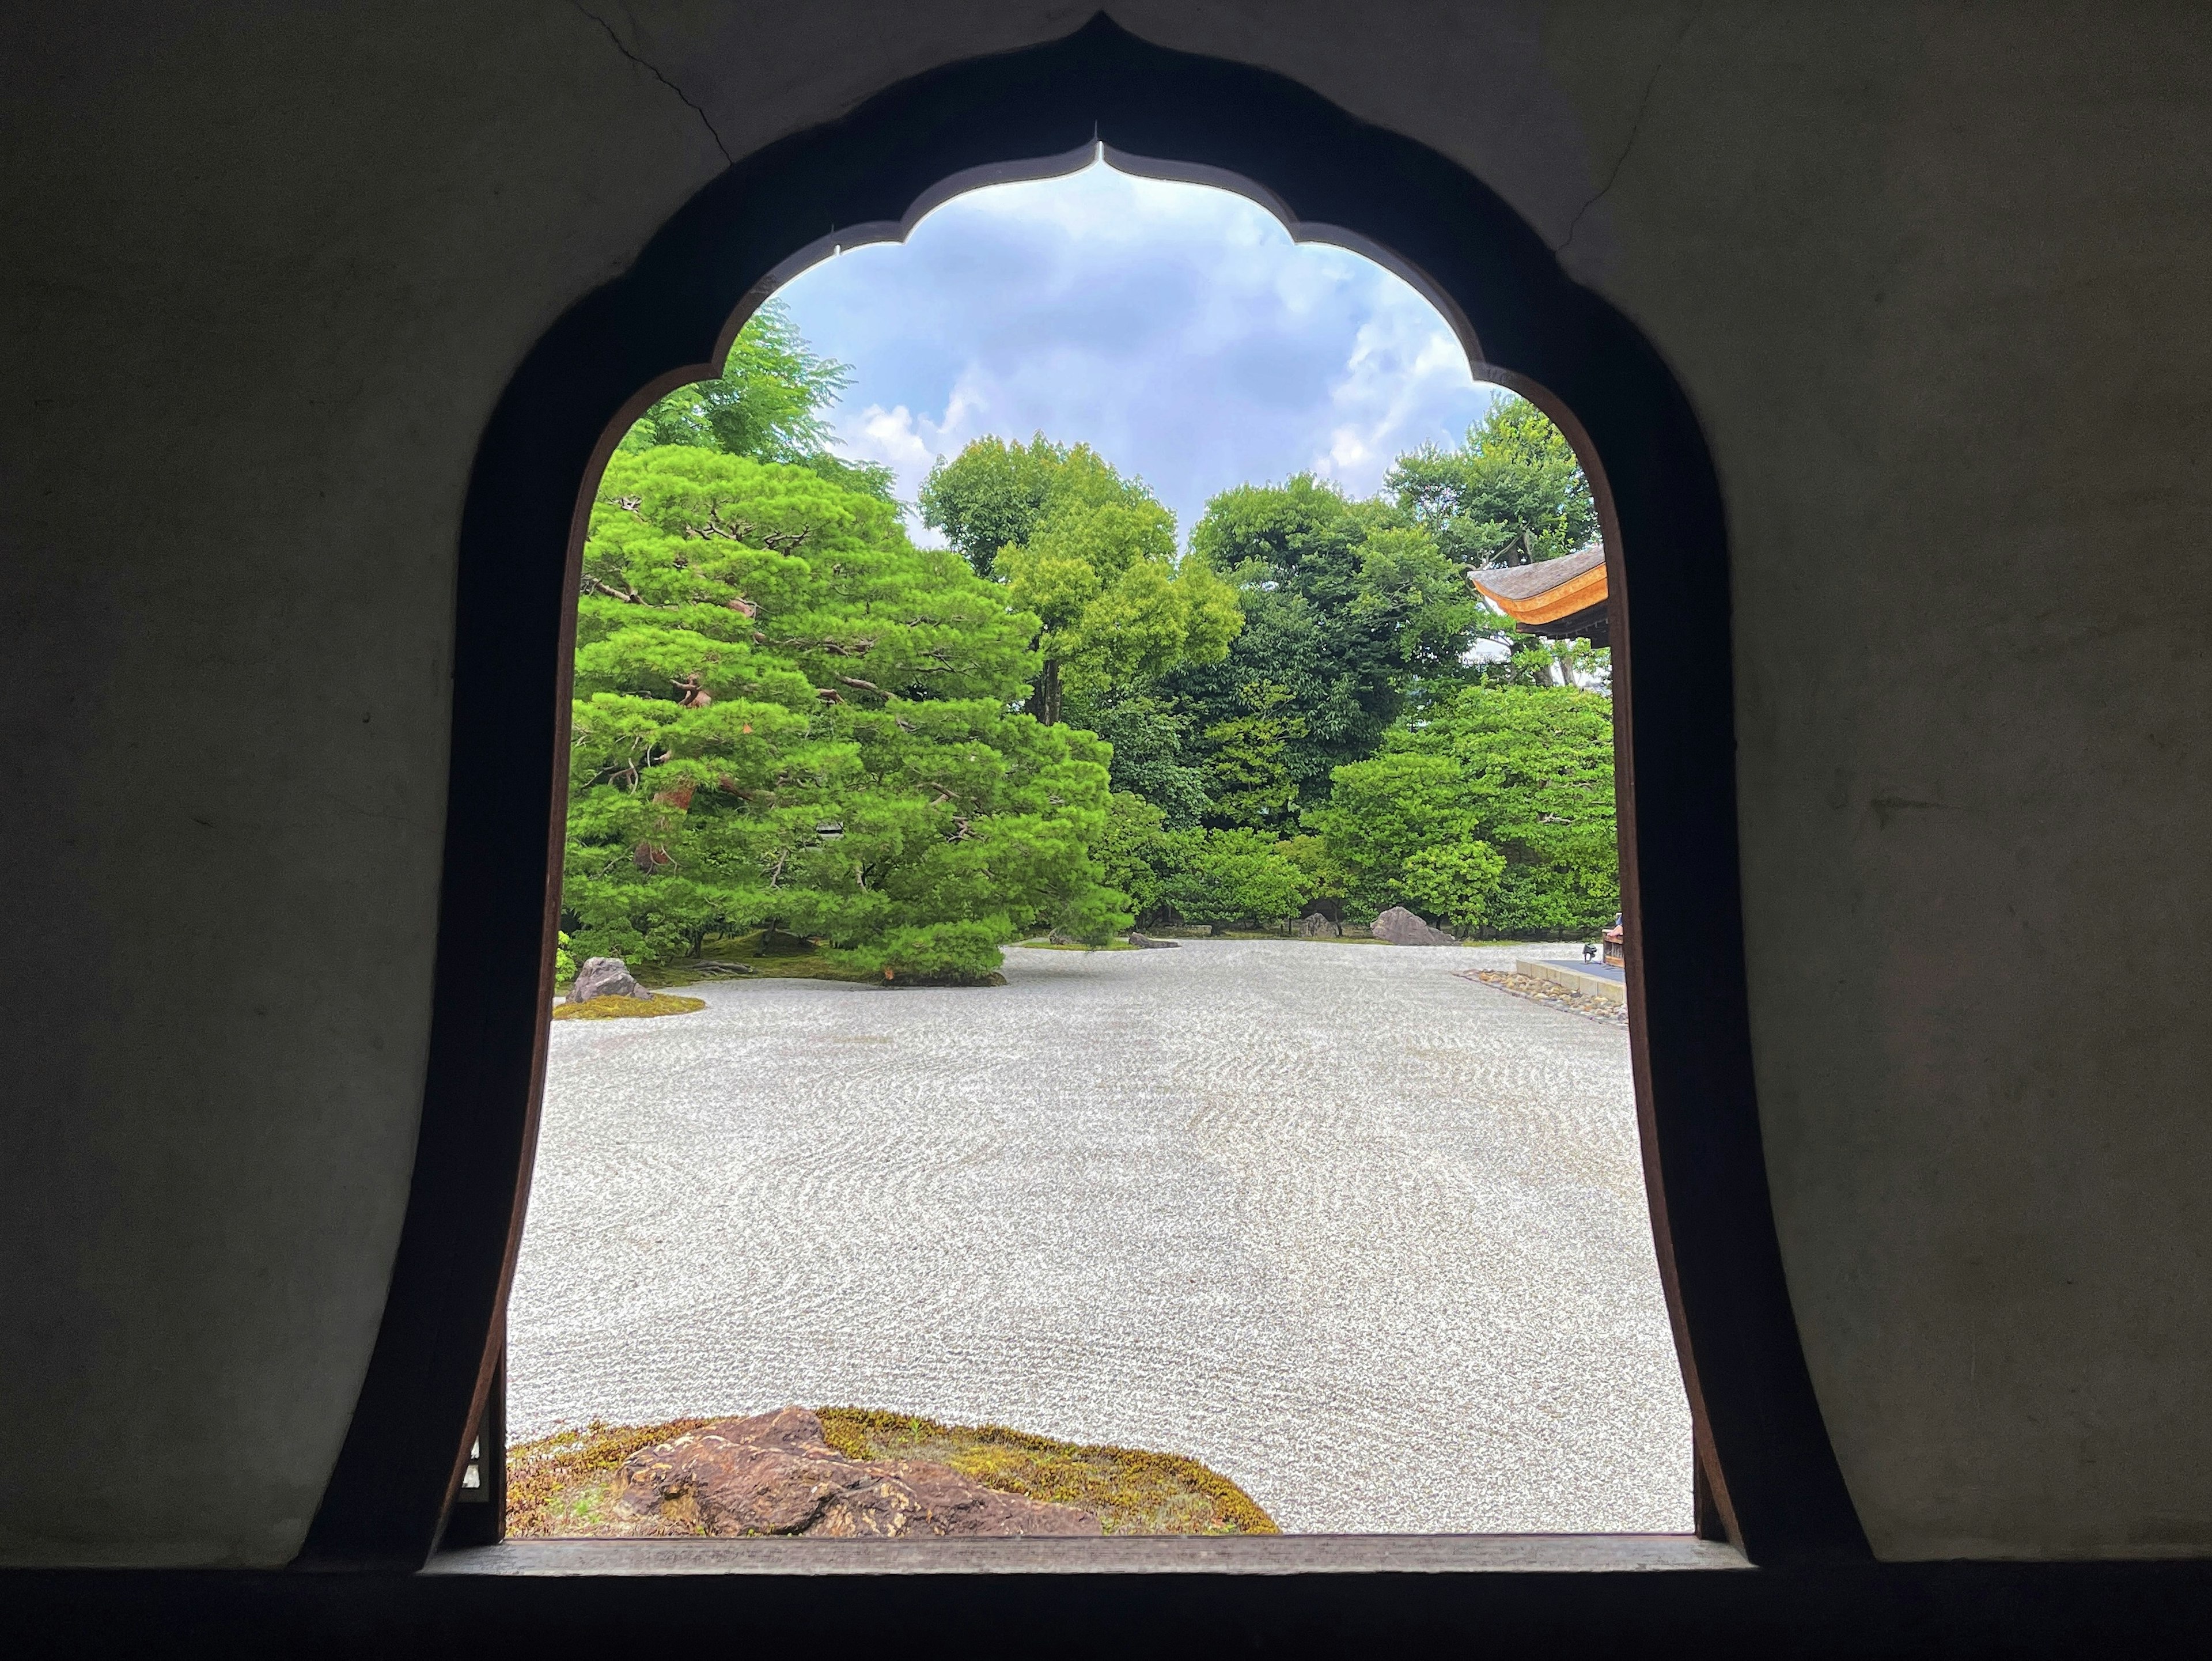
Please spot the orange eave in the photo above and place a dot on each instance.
(1576, 593)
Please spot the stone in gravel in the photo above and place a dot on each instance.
(1401, 927)
(1316, 926)
(605, 977)
(1146, 943)
(775, 1473)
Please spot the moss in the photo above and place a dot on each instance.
(557, 1485)
(1132, 1491)
(765, 953)
(1072, 945)
(619, 1009)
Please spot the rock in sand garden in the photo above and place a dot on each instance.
(1401, 927)
(776, 1473)
(605, 977)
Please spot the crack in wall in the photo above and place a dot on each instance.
(623, 46)
(1635, 129)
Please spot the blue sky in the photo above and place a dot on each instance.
(1176, 328)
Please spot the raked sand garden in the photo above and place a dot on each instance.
(1365, 1236)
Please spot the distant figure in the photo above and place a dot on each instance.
(1589, 952)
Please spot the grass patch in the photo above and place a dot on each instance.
(620, 1008)
(1072, 945)
(1133, 1492)
(557, 1485)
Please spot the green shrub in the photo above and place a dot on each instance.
(1229, 877)
(1496, 810)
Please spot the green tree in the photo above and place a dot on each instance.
(1092, 554)
(1495, 809)
(1322, 877)
(1201, 875)
(1515, 472)
(1130, 851)
(1151, 742)
(769, 404)
(1248, 765)
(995, 494)
(1381, 812)
(787, 714)
(1349, 609)
(1116, 608)
(1228, 877)
(1457, 881)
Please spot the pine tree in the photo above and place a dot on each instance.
(769, 402)
(788, 716)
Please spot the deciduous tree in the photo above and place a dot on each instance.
(1350, 612)
(1151, 747)
(1514, 472)
(1091, 553)
(995, 494)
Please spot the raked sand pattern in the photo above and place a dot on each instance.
(1368, 1237)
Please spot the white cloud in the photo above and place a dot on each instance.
(1405, 369)
(889, 435)
(911, 444)
(1176, 328)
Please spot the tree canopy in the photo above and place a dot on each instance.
(1350, 612)
(787, 716)
(769, 402)
(1092, 555)
(995, 494)
(1496, 809)
(1514, 472)
(1115, 606)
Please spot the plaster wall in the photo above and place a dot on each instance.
(1933, 281)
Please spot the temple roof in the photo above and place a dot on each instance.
(1562, 598)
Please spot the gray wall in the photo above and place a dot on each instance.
(1934, 280)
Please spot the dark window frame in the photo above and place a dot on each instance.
(1768, 1476)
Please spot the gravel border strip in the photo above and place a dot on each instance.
(1536, 991)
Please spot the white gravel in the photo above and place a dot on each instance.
(1366, 1237)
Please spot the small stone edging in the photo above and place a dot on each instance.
(1545, 991)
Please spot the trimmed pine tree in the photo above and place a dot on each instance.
(787, 716)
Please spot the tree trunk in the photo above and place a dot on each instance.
(1044, 701)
